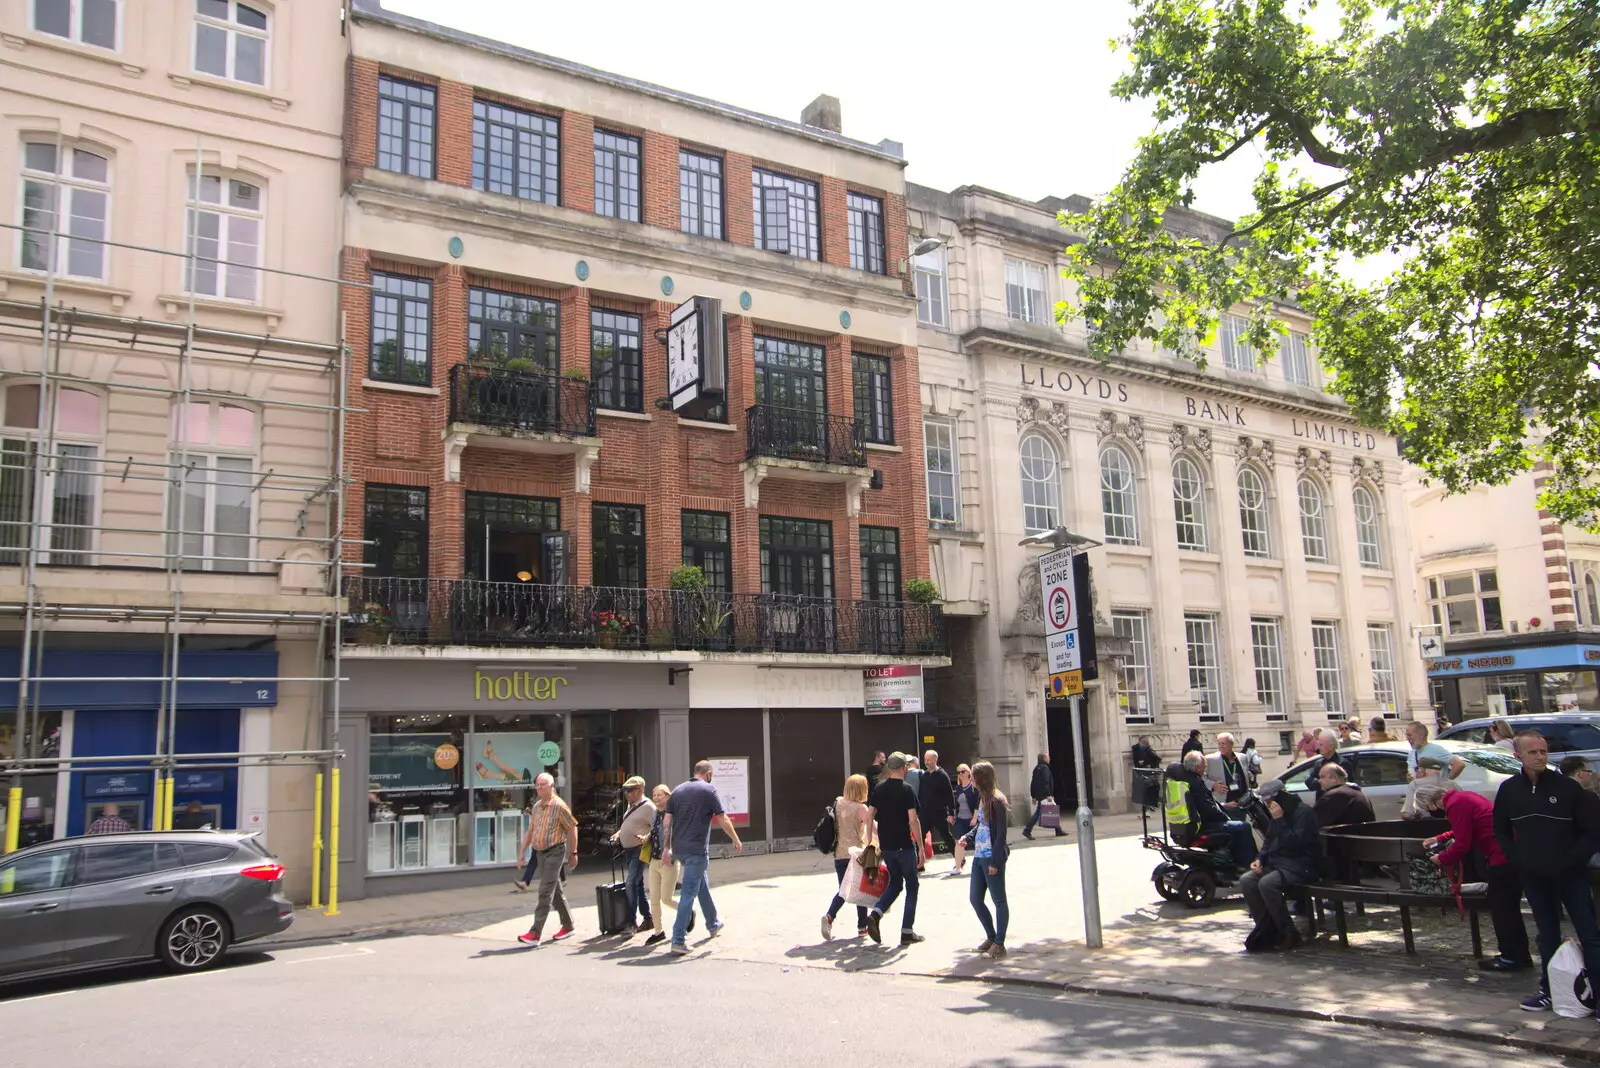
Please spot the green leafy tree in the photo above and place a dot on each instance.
(1463, 135)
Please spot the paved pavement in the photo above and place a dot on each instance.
(1153, 950)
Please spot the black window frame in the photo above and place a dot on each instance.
(706, 537)
(770, 236)
(602, 538)
(873, 389)
(880, 549)
(406, 291)
(531, 135)
(625, 199)
(703, 174)
(512, 311)
(393, 517)
(413, 100)
(864, 216)
(776, 358)
(546, 509)
(618, 386)
(798, 538)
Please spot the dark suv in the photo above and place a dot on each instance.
(1569, 733)
(181, 897)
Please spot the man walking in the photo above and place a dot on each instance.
(686, 836)
(1549, 826)
(894, 806)
(936, 800)
(1042, 787)
(631, 837)
(553, 835)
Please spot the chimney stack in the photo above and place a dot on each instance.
(823, 113)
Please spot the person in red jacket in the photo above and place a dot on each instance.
(1471, 819)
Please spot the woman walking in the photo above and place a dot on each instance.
(661, 878)
(966, 807)
(987, 839)
(854, 831)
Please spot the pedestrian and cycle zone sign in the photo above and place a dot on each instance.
(1059, 590)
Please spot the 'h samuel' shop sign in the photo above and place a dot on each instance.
(1506, 661)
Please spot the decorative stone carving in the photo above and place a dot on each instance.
(1128, 427)
(1106, 424)
(1315, 461)
(1185, 437)
(1248, 449)
(1364, 470)
(1027, 411)
(1033, 663)
(1058, 418)
(1030, 600)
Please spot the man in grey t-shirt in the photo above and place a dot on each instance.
(686, 833)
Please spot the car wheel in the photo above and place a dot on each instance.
(1168, 879)
(193, 940)
(1198, 889)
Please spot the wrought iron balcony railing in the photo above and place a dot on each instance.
(521, 401)
(403, 611)
(800, 434)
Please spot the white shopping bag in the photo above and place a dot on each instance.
(1570, 993)
(850, 885)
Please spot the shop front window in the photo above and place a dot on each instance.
(1570, 691)
(451, 791)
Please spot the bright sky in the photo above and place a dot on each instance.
(1016, 99)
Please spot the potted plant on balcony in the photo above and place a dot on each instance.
(610, 628)
(374, 624)
(701, 612)
(922, 591)
(519, 365)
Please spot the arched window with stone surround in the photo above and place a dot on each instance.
(1369, 529)
(1118, 496)
(1313, 520)
(1041, 483)
(1189, 504)
(1255, 519)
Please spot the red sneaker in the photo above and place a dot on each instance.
(528, 938)
(559, 935)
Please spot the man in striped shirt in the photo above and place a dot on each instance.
(553, 833)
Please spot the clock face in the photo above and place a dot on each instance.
(683, 355)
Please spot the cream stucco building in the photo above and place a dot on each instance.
(1256, 574)
(169, 359)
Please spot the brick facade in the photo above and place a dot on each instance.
(657, 461)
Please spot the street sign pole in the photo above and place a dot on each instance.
(1087, 867)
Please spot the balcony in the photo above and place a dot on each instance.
(522, 412)
(402, 611)
(796, 443)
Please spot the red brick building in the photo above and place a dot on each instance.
(526, 487)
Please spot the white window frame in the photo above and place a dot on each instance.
(1440, 599)
(1329, 667)
(1135, 673)
(1369, 526)
(1272, 682)
(65, 188)
(931, 430)
(51, 473)
(1586, 591)
(1294, 350)
(1236, 355)
(1255, 517)
(75, 24)
(1313, 522)
(1049, 484)
(1205, 664)
(234, 31)
(1121, 524)
(932, 285)
(1380, 647)
(1189, 504)
(202, 460)
(228, 215)
(1033, 303)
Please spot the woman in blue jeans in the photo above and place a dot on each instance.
(854, 832)
(987, 840)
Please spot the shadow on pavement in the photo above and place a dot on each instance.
(850, 956)
(126, 973)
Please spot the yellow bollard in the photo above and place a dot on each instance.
(316, 844)
(13, 819)
(166, 804)
(155, 804)
(333, 845)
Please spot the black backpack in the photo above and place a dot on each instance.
(826, 833)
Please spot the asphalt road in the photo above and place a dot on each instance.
(467, 1000)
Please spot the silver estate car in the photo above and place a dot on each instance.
(181, 897)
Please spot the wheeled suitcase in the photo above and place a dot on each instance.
(611, 903)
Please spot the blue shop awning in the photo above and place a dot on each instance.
(1570, 657)
(211, 679)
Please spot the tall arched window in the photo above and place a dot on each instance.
(1369, 533)
(71, 480)
(214, 526)
(1313, 521)
(1591, 594)
(1189, 504)
(1117, 499)
(1254, 521)
(1041, 483)
(66, 192)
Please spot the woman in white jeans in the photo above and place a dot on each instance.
(662, 879)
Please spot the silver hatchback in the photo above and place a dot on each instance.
(181, 897)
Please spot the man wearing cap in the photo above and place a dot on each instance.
(1291, 856)
(632, 835)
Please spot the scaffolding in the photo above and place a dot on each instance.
(83, 574)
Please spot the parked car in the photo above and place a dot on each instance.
(1569, 733)
(180, 897)
(1380, 770)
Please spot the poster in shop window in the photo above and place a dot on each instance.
(501, 760)
(405, 762)
(731, 778)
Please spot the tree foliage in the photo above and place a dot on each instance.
(1462, 134)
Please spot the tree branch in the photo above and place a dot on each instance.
(1297, 202)
(1520, 127)
(1250, 135)
(1310, 143)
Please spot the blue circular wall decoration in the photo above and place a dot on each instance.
(582, 271)
(456, 248)
(744, 300)
(844, 319)
(666, 284)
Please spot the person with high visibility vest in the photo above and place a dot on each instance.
(1204, 809)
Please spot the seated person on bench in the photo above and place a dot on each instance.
(1207, 812)
(1340, 801)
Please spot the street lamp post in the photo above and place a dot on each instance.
(1062, 538)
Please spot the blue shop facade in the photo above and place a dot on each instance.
(72, 713)
(1527, 673)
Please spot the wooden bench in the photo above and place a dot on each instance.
(1314, 894)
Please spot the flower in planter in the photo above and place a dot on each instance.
(606, 622)
(374, 614)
